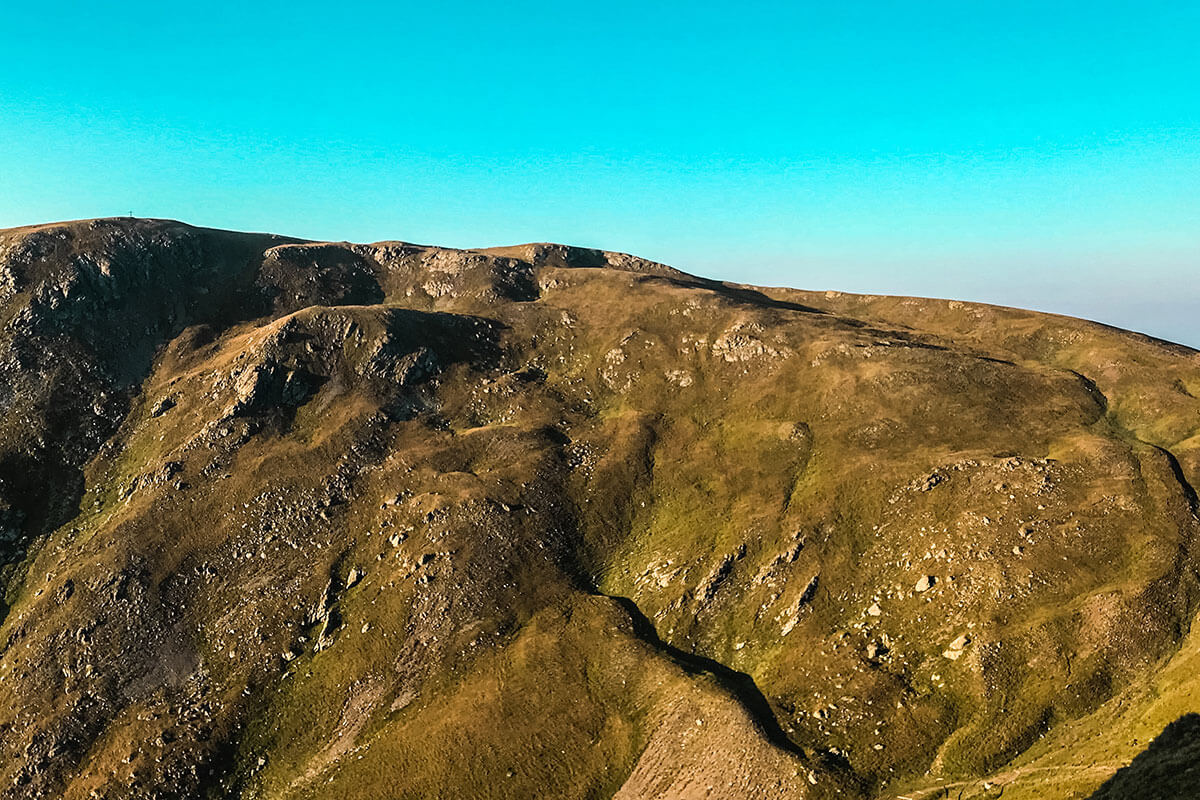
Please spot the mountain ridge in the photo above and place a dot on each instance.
(277, 513)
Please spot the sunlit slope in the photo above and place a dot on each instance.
(286, 519)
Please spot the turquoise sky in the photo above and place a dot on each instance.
(1037, 154)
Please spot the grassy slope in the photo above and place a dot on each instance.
(635, 534)
(1077, 756)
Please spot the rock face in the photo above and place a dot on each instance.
(285, 519)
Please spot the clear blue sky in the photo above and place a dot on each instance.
(1043, 154)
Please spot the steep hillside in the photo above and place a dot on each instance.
(287, 519)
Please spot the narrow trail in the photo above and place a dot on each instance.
(1001, 781)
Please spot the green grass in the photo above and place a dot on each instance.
(666, 443)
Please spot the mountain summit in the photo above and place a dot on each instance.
(293, 519)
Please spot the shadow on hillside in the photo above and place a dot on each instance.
(1166, 770)
(739, 294)
(739, 684)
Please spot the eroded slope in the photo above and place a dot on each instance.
(288, 519)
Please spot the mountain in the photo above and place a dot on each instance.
(292, 519)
